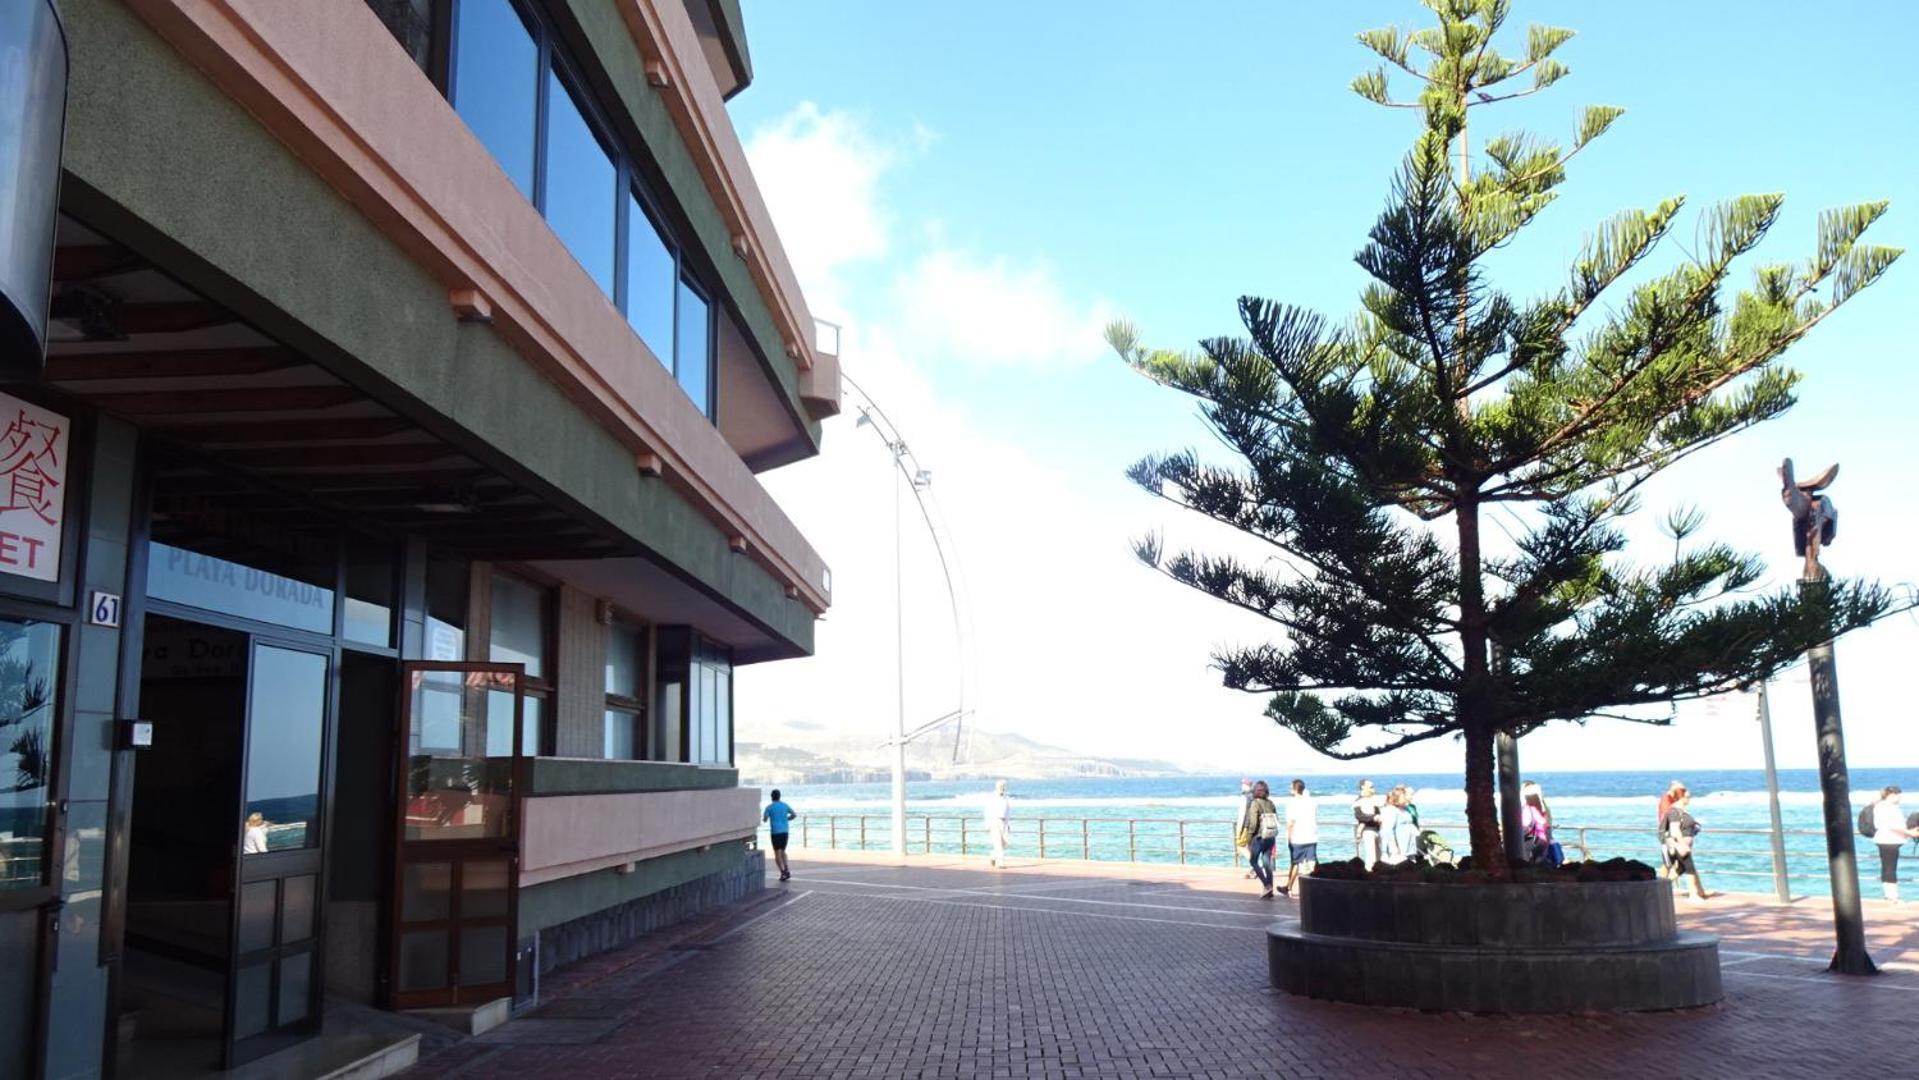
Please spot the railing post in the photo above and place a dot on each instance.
(862, 832)
(833, 832)
(1132, 840)
(1182, 841)
(803, 842)
(1042, 838)
(1780, 883)
(962, 836)
(928, 822)
(1085, 840)
(1585, 849)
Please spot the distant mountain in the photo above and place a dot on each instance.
(808, 753)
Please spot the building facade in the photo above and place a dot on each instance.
(380, 538)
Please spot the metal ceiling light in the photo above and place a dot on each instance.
(33, 115)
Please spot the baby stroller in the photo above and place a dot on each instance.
(1433, 849)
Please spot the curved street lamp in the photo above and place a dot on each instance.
(33, 119)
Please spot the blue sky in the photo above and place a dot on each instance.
(974, 188)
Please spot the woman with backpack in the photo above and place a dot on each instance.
(1366, 824)
(1260, 826)
(1678, 830)
(1889, 831)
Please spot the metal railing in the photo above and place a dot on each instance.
(1183, 841)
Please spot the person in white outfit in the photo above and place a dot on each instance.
(1890, 833)
(999, 813)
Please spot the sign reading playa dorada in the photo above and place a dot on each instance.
(33, 480)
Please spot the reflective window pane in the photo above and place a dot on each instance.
(651, 279)
(423, 960)
(369, 592)
(251, 998)
(296, 985)
(426, 892)
(296, 909)
(482, 955)
(623, 644)
(301, 598)
(257, 902)
(483, 888)
(456, 789)
(519, 624)
(287, 723)
(582, 188)
(723, 713)
(619, 735)
(690, 355)
(496, 71)
(29, 702)
(447, 582)
(532, 723)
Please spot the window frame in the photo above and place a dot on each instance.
(556, 59)
(634, 708)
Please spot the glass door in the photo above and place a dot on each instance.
(275, 977)
(456, 878)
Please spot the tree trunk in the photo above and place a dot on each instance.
(1475, 701)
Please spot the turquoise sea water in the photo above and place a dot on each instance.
(1611, 813)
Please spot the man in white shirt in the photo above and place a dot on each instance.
(1302, 836)
(999, 813)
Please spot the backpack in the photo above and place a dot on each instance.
(1433, 849)
(1865, 821)
(1268, 825)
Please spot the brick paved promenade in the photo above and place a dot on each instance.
(945, 968)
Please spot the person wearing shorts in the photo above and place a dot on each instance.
(778, 817)
(1302, 836)
(1890, 832)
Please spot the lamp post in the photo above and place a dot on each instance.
(33, 118)
(1814, 523)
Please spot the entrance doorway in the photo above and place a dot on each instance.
(225, 873)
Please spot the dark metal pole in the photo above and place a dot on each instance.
(1512, 829)
(1511, 814)
(1781, 883)
(1848, 922)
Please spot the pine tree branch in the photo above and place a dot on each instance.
(1375, 751)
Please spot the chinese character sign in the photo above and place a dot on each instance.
(33, 488)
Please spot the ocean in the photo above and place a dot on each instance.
(1155, 819)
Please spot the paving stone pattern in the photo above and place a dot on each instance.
(946, 969)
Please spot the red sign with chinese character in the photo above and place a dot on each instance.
(33, 488)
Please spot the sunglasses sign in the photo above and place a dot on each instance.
(33, 488)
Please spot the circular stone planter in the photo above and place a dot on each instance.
(1549, 948)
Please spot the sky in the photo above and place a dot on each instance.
(973, 191)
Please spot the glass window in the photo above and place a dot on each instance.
(369, 592)
(238, 589)
(651, 279)
(287, 731)
(29, 703)
(582, 189)
(411, 24)
(624, 642)
(496, 72)
(690, 364)
(620, 729)
(519, 624)
(447, 581)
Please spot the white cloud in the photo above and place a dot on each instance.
(818, 171)
(997, 312)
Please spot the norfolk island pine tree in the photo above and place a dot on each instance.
(1446, 396)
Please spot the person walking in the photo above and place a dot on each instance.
(1242, 838)
(1302, 836)
(999, 822)
(1398, 830)
(1366, 824)
(1890, 831)
(1673, 791)
(1537, 823)
(1261, 823)
(778, 817)
(1680, 829)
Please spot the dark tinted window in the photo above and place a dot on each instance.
(496, 73)
(29, 702)
(582, 192)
